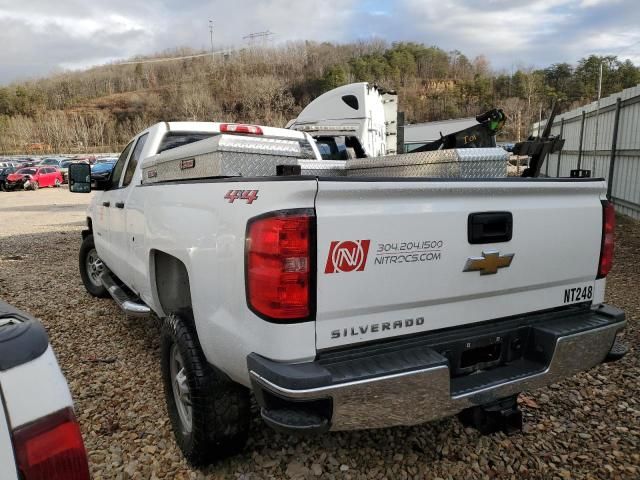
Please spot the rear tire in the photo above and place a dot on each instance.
(209, 413)
(57, 184)
(91, 267)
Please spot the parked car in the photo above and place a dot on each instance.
(101, 170)
(90, 159)
(64, 169)
(26, 162)
(52, 162)
(39, 434)
(32, 178)
(4, 172)
(107, 160)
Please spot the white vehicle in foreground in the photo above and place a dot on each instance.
(39, 436)
(344, 302)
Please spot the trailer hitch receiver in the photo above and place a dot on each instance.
(503, 415)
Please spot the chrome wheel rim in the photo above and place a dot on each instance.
(180, 388)
(94, 267)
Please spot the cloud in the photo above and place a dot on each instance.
(40, 35)
(44, 35)
(495, 28)
(518, 32)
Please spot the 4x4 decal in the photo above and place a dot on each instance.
(248, 195)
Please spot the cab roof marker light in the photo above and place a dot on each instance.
(240, 128)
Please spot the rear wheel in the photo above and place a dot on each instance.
(57, 184)
(209, 413)
(91, 267)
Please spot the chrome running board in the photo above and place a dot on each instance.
(130, 305)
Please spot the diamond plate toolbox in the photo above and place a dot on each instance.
(323, 168)
(454, 163)
(221, 156)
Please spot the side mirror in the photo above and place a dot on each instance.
(80, 178)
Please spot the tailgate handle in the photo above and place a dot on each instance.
(490, 227)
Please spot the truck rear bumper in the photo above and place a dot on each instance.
(412, 380)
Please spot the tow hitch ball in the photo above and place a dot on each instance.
(503, 415)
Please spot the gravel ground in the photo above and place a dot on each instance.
(584, 427)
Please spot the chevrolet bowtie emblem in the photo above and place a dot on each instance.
(488, 263)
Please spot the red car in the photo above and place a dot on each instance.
(32, 178)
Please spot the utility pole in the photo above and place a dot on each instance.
(539, 119)
(211, 36)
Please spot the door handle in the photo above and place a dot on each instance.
(106, 204)
(490, 227)
(119, 204)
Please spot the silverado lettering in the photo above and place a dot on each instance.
(375, 327)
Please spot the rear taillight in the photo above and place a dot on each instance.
(608, 228)
(51, 449)
(240, 128)
(280, 265)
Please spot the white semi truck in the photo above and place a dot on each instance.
(352, 121)
(344, 302)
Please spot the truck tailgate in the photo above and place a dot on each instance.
(392, 254)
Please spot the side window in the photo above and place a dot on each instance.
(117, 170)
(133, 161)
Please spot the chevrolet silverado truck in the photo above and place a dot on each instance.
(39, 436)
(351, 302)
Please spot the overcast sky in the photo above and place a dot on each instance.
(41, 36)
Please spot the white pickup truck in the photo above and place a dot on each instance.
(347, 302)
(39, 436)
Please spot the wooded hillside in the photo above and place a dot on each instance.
(101, 108)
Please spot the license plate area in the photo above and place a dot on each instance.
(483, 353)
(486, 356)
